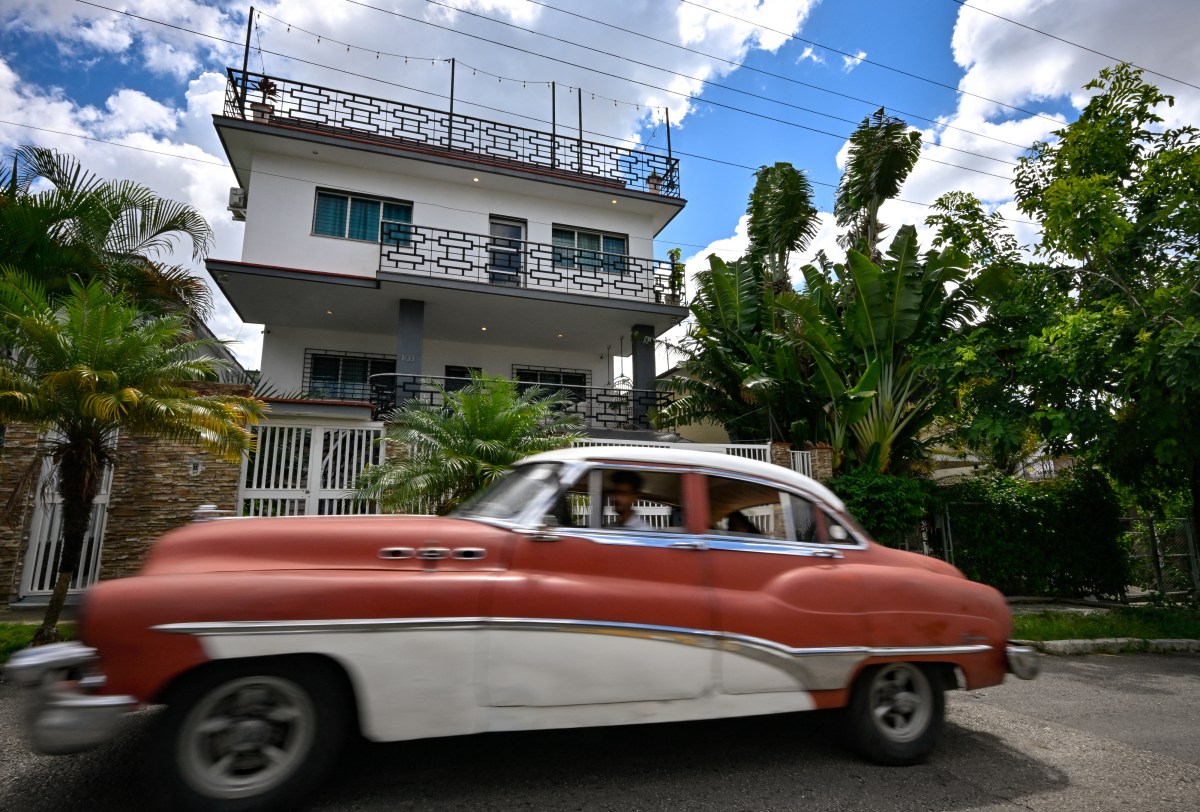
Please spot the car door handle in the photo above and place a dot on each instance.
(690, 544)
(826, 554)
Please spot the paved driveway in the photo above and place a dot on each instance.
(1094, 733)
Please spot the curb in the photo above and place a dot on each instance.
(1111, 645)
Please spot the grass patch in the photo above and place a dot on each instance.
(1149, 623)
(16, 636)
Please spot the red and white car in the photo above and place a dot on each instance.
(591, 586)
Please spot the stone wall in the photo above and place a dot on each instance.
(16, 455)
(822, 462)
(157, 484)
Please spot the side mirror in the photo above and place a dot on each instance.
(838, 533)
(542, 531)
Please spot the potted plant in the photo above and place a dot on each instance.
(675, 281)
(261, 111)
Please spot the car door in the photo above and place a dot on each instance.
(594, 610)
(787, 596)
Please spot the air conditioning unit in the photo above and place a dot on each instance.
(237, 202)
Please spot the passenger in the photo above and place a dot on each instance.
(739, 522)
(624, 490)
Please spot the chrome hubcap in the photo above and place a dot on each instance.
(246, 736)
(901, 701)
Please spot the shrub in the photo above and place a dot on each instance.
(1053, 537)
(885, 505)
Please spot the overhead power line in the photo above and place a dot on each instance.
(963, 3)
(900, 71)
(747, 67)
(523, 50)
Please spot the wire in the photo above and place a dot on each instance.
(871, 62)
(748, 67)
(963, 3)
(501, 110)
(710, 102)
(689, 77)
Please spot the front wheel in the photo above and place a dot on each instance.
(896, 713)
(248, 736)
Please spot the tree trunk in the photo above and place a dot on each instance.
(79, 471)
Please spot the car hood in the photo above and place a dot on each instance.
(308, 543)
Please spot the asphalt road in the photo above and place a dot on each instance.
(1093, 733)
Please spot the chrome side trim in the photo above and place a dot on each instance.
(820, 668)
(1023, 661)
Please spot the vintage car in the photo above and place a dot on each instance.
(590, 586)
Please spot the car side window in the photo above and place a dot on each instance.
(836, 532)
(573, 507)
(636, 499)
(751, 510)
(804, 513)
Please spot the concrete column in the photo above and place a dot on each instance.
(410, 334)
(643, 373)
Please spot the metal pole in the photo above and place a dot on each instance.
(667, 119)
(579, 91)
(246, 60)
(450, 131)
(553, 125)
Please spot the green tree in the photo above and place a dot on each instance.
(59, 222)
(740, 369)
(444, 453)
(1116, 194)
(883, 151)
(874, 330)
(87, 365)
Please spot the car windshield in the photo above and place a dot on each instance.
(511, 494)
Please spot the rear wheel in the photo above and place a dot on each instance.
(896, 712)
(252, 735)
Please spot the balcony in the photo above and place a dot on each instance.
(511, 263)
(274, 100)
(600, 407)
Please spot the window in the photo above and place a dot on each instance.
(363, 218)
(337, 376)
(573, 382)
(589, 250)
(506, 250)
(751, 510)
(459, 377)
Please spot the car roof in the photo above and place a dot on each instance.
(713, 460)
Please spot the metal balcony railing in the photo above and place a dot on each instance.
(272, 99)
(600, 407)
(438, 252)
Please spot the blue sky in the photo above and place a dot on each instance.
(134, 97)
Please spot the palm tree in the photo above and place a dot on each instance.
(86, 365)
(58, 222)
(740, 371)
(447, 452)
(883, 151)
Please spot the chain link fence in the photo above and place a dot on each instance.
(1163, 557)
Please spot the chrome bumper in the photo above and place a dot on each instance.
(1023, 661)
(63, 714)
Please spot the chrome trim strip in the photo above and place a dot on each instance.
(547, 624)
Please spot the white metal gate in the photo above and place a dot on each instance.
(303, 469)
(45, 538)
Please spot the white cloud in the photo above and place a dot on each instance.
(809, 53)
(849, 63)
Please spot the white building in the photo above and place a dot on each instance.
(388, 246)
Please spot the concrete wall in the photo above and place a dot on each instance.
(279, 216)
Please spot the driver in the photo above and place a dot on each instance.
(624, 489)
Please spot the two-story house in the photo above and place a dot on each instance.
(390, 246)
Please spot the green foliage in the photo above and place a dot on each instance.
(1055, 537)
(76, 225)
(1142, 623)
(16, 636)
(886, 505)
(440, 455)
(883, 151)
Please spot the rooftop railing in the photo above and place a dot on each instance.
(273, 99)
(502, 261)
